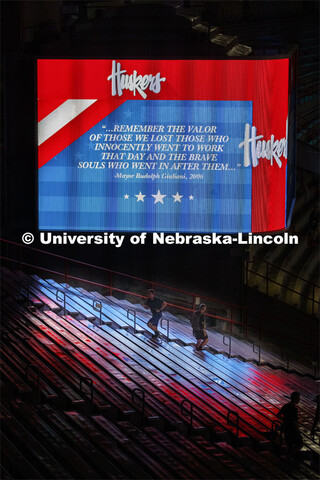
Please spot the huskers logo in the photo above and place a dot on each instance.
(120, 81)
(254, 148)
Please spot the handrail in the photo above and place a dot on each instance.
(187, 413)
(227, 320)
(285, 356)
(97, 306)
(149, 282)
(131, 310)
(142, 398)
(36, 370)
(227, 344)
(315, 364)
(267, 277)
(310, 297)
(258, 352)
(89, 297)
(89, 382)
(229, 422)
(284, 270)
(230, 321)
(312, 437)
(168, 325)
(64, 300)
(90, 282)
(25, 283)
(214, 300)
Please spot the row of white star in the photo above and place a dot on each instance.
(158, 198)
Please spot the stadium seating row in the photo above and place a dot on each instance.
(125, 314)
(93, 400)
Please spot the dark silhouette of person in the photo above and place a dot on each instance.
(198, 323)
(289, 414)
(316, 416)
(156, 305)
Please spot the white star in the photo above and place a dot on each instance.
(191, 197)
(126, 196)
(79, 156)
(158, 197)
(140, 197)
(177, 197)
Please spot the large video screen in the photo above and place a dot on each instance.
(163, 145)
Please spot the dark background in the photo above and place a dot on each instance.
(122, 29)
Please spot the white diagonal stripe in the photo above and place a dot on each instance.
(62, 115)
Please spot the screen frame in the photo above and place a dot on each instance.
(292, 53)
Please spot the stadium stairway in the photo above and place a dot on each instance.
(100, 400)
(180, 330)
(219, 342)
(121, 313)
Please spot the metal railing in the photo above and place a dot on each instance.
(131, 310)
(120, 290)
(187, 413)
(315, 365)
(63, 299)
(244, 326)
(227, 344)
(236, 423)
(268, 281)
(258, 352)
(286, 356)
(168, 326)
(25, 284)
(97, 306)
(36, 369)
(88, 381)
(139, 394)
(111, 273)
(235, 312)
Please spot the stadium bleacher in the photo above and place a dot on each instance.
(294, 277)
(85, 392)
(95, 397)
(174, 327)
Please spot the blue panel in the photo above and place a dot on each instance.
(93, 199)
